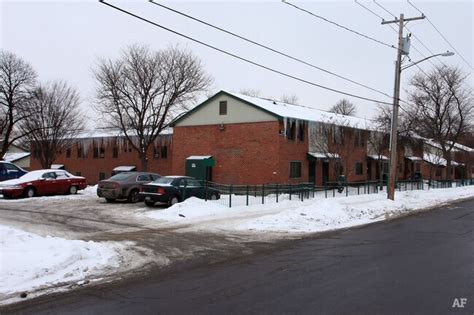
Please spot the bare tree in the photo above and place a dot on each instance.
(17, 77)
(140, 92)
(344, 107)
(336, 143)
(443, 108)
(54, 121)
(289, 99)
(379, 137)
(251, 92)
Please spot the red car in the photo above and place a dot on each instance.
(42, 182)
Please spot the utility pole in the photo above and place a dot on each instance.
(396, 100)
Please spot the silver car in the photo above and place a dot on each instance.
(124, 186)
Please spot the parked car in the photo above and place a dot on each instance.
(124, 185)
(42, 182)
(173, 189)
(10, 171)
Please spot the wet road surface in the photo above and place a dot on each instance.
(414, 265)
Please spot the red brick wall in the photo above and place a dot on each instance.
(245, 153)
(293, 150)
(90, 167)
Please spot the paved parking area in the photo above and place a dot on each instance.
(87, 217)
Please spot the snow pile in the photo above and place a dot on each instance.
(309, 216)
(29, 261)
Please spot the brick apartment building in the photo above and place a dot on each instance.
(253, 141)
(95, 155)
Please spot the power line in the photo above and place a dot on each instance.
(391, 26)
(267, 47)
(239, 57)
(441, 34)
(370, 10)
(338, 25)
(380, 17)
(414, 35)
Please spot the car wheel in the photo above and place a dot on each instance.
(133, 197)
(174, 200)
(214, 197)
(30, 192)
(150, 203)
(110, 200)
(73, 190)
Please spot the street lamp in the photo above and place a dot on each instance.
(445, 54)
(396, 98)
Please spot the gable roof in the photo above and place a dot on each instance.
(288, 111)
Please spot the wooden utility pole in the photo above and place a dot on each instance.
(396, 100)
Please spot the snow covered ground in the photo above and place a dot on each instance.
(309, 216)
(29, 261)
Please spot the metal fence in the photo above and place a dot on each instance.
(247, 195)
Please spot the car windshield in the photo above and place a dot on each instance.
(164, 180)
(121, 177)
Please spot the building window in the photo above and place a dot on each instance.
(223, 108)
(156, 153)
(295, 169)
(338, 135)
(80, 153)
(101, 176)
(99, 152)
(78, 173)
(358, 138)
(115, 152)
(290, 130)
(358, 168)
(417, 167)
(385, 167)
(164, 152)
(301, 132)
(68, 152)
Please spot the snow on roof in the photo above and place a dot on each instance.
(414, 158)
(12, 157)
(456, 147)
(125, 168)
(377, 157)
(109, 133)
(438, 160)
(57, 166)
(306, 113)
(321, 155)
(463, 147)
(199, 157)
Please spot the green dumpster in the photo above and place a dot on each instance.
(200, 166)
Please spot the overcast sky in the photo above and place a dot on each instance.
(64, 39)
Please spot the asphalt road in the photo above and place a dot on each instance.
(416, 265)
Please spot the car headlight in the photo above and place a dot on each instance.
(10, 187)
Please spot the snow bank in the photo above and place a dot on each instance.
(309, 216)
(29, 261)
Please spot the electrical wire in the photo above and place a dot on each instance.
(442, 36)
(241, 58)
(414, 35)
(338, 25)
(267, 47)
(392, 27)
